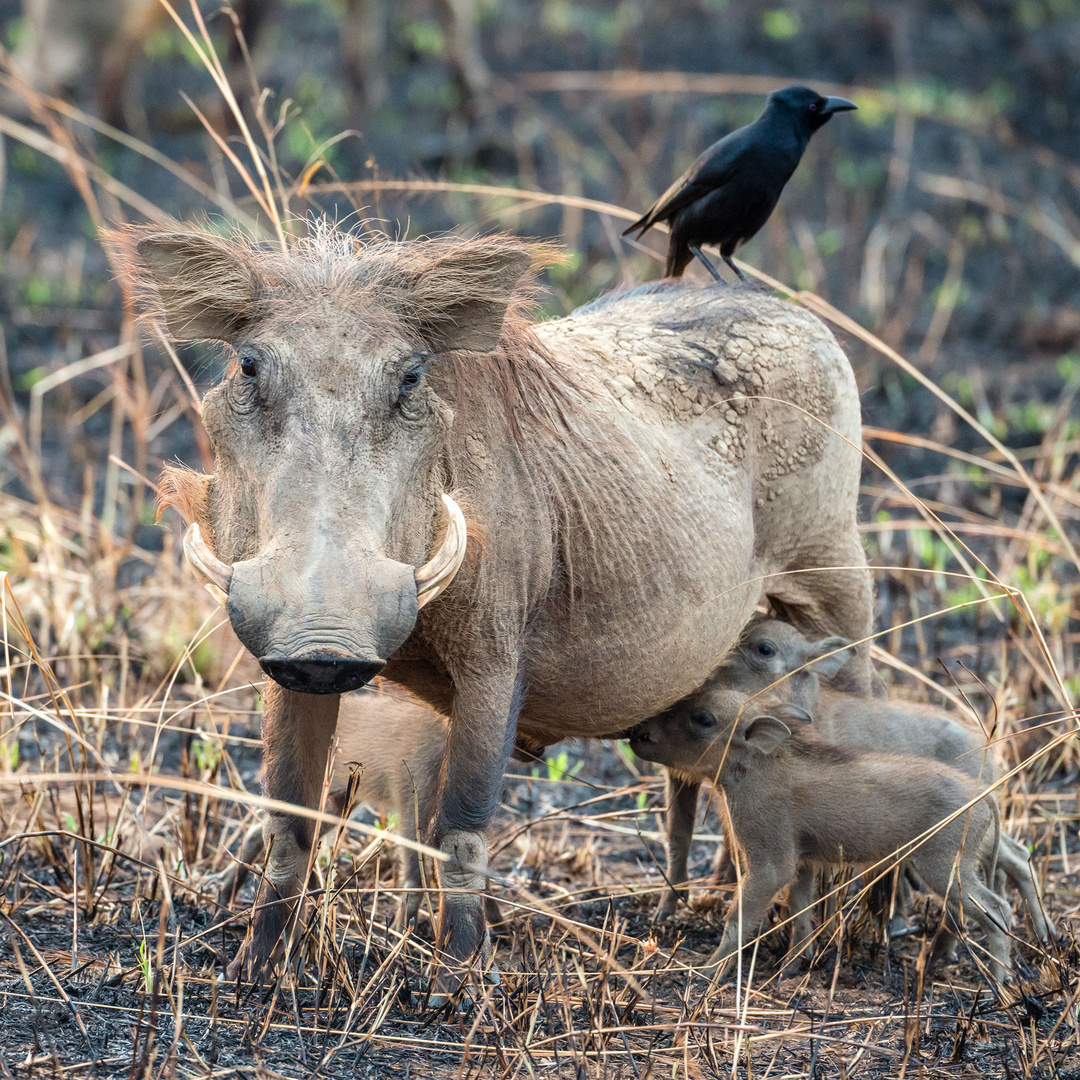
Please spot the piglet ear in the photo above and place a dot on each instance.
(829, 655)
(790, 714)
(205, 285)
(766, 733)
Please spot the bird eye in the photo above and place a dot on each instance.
(765, 648)
(702, 719)
(813, 106)
(248, 367)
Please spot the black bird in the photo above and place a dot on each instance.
(732, 188)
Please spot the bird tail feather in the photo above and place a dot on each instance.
(642, 223)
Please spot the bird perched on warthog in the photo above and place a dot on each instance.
(729, 192)
(605, 511)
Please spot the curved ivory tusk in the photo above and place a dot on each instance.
(435, 575)
(209, 569)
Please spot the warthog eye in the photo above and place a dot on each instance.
(411, 380)
(249, 368)
(702, 719)
(765, 649)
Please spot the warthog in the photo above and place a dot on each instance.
(770, 653)
(388, 755)
(772, 656)
(632, 479)
(796, 802)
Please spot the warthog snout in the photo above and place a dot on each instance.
(642, 735)
(327, 628)
(321, 672)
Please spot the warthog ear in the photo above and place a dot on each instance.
(829, 655)
(206, 290)
(459, 300)
(766, 733)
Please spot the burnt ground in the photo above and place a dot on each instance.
(133, 983)
(944, 216)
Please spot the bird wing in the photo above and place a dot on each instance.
(712, 169)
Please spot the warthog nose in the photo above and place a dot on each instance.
(321, 674)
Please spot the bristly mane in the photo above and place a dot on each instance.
(396, 284)
(187, 491)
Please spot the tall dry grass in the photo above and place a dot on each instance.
(129, 740)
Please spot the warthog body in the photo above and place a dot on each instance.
(927, 731)
(635, 478)
(795, 803)
(773, 657)
(388, 755)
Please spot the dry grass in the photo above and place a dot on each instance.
(128, 749)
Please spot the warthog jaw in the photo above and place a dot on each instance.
(431, 578)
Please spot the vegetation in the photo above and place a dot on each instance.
(939, 238)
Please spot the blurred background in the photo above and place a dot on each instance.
(943, 218)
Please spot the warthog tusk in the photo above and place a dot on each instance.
(215, 575)
(434, 576)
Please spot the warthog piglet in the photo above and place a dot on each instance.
(389, 753)
(770, 654)
(773, 656)
(796, 802)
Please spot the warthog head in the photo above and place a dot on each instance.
(716, 736)
(329, 431)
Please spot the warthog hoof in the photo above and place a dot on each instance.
(448, 984)
(267, 933)
(669, 904)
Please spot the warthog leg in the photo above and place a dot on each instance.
(682, 801)
(297, 733)
(762, 881)
(800, 898)
(1013, 860)
(482, 731)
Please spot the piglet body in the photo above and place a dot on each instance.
(795, 802)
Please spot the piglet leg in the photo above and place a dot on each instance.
(682, 800)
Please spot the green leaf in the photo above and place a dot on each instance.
(781, 25)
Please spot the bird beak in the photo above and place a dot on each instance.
(837, 104)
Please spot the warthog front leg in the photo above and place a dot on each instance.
(763, 880)
(482, 730)
(297, 732)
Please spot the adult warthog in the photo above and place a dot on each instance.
(635, 478)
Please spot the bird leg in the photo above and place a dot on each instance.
(742, 276)
(708, 265)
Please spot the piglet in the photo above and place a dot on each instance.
(795, 802)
